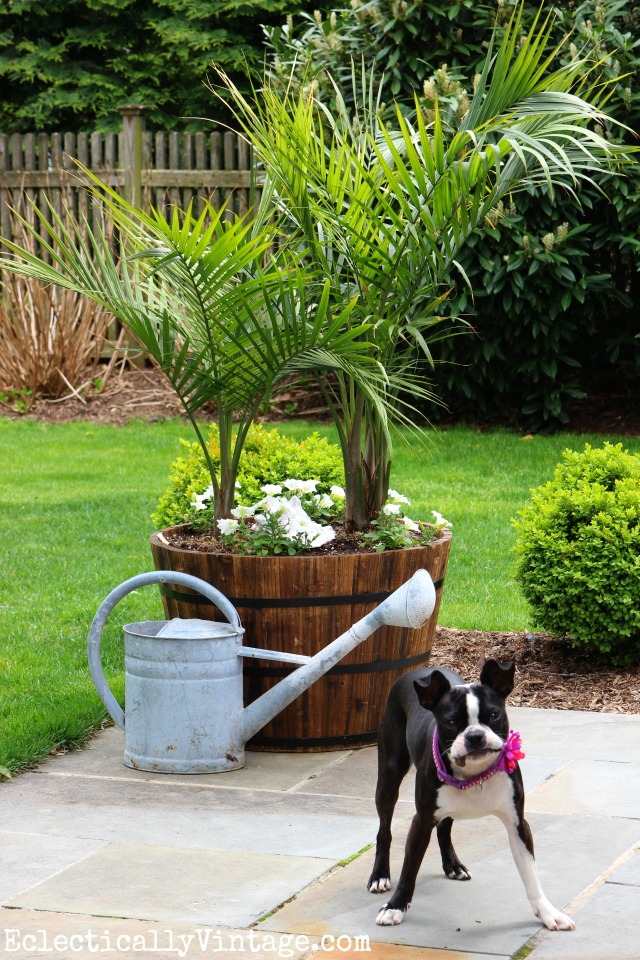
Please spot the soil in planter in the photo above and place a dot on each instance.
(343, 543)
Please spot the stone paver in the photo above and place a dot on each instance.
(29, 858)
(592, 787)
(173, 884)
(86, 842)
(187, 815)
(606, 922)
(578, 735)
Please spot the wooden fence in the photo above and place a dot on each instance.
(160, 168)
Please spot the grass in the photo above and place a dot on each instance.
(76, 500)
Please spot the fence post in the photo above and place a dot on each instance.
(133, 124)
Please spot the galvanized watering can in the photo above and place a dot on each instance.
(183, 678)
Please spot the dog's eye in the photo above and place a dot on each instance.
(450, 723)
(495, 715)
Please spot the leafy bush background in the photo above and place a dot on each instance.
(555, 280)
(68, 64)
(578, 552)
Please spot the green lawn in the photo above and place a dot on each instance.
(74, 523)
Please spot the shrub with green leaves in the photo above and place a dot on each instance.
(555, 280)
(267, 457)
(578, 552)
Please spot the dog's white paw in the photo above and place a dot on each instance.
(390, 918)
(381, 885)
(459, 873)
(553, 919)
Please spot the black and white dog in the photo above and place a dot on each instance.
(457, 735)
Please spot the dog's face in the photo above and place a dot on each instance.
(471, 719)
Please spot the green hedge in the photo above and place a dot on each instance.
(578, 552)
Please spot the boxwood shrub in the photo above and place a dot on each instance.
(578, 552)
(267, 457)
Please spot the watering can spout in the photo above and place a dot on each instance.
(410, 605)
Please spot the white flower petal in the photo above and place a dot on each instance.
(272, 504)
(227, 526)
(325, 535)
(271, 489)
(396, 497)
(241, 512)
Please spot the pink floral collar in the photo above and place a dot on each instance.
(507, 762)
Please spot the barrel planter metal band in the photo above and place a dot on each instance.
(296, 605)
(185, 597)
(376, 666)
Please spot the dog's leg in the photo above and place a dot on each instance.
(417, 842)
(393, 764)
(521, 843)
(453, 868)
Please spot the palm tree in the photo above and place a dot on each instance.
(223, 309)
(383, 214)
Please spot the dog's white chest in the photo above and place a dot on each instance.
(483, 800)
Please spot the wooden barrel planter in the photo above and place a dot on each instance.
(299, 605)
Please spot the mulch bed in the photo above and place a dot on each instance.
(137, 394)
(548, 672)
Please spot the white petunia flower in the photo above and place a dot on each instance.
(391, 509)
(199, 500)
(440, 523)
(309, 486)
(411, 524)
(301, 486)
(272, 489)
(396, 497)
(241, 513)
(292, 485)
(272, 504)
(325, 535)
(338, 492)
(227, 527)
(324, 502)
(297, 522)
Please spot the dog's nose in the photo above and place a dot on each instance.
(474, 739)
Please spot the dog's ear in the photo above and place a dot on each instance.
(499, 676)
(431, 689)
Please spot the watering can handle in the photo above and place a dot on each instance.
(95, 634)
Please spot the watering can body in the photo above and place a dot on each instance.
(183, 678)
(183, 694)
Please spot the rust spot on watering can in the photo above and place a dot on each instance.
(170, 746)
